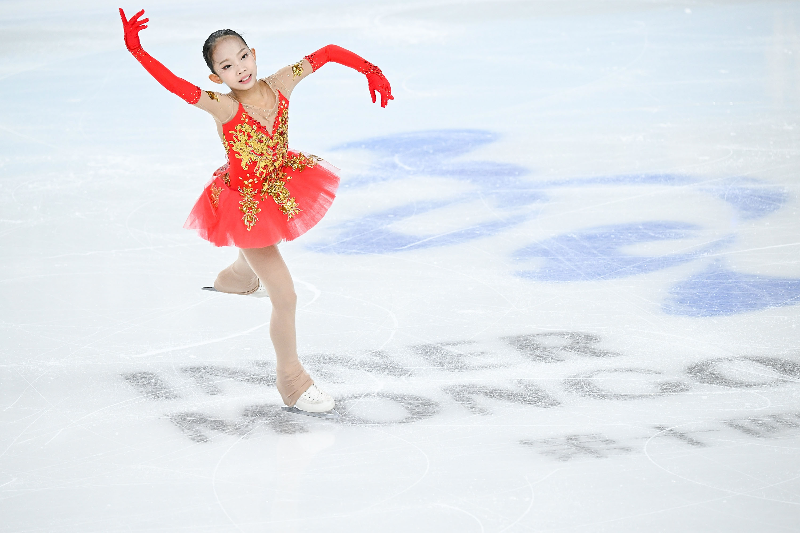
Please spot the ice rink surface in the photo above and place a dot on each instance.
(557, 290)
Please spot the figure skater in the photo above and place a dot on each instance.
(266, 193)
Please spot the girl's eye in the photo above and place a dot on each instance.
(226, 67)
(245, 55)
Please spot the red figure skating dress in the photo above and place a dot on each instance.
(265, 193)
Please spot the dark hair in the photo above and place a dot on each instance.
(208, 46)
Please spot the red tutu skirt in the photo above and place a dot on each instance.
(218, 215)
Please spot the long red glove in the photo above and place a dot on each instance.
(375, 78)
(171, 82)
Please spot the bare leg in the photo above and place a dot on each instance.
(267, 263)
(237, 278)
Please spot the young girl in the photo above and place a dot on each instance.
(266, 193)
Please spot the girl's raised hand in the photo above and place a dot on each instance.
(190, 93)
(378, 82)
(132, 28)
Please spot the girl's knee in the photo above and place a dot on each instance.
(284, 299)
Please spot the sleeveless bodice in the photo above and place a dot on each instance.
(258, 160)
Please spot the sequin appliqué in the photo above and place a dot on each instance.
(212, 95)
(256, 148)
(278, 191)
(301, 161)
(297, 69)
(248, 205)
(214, 193)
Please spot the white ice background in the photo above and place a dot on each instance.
(557, 290)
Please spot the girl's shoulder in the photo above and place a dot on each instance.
(222, 106)
(272, 80)
(287, 78)
(217, 96)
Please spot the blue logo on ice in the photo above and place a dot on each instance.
(718, 291)
(432, 154)
(587, 254)
(597, 253)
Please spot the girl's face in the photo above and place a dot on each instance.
(234, 64)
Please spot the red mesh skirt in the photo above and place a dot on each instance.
(217, 216)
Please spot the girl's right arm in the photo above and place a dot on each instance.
(221, 109)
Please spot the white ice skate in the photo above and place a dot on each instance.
(314, 402)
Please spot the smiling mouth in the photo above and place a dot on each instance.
(246, 78)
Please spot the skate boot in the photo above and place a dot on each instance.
(237, 278)
(314, 401)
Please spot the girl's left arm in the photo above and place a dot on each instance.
(289, 76)
(377, 82)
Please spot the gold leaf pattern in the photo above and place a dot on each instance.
(216, 190)
(301, 161)
(248, 205)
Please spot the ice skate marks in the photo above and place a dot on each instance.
(333, 414)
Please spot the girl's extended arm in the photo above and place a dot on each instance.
(336, 54)
(189, 92)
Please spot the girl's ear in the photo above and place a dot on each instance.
(253, 50)
(216, 79)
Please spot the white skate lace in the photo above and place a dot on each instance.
(313, 395)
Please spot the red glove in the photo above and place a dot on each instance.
(375, 78)
(171, 82)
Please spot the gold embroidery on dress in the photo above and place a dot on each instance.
(297, 69)
(278, 191)
(254, 146)
(216, 190)
(227, 179)
(212, 95)
(267, 157)
(301, 161)
(248, 205)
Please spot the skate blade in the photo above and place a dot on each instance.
(327, 415)
(258, 293)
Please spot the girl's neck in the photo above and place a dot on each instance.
(257, 95)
